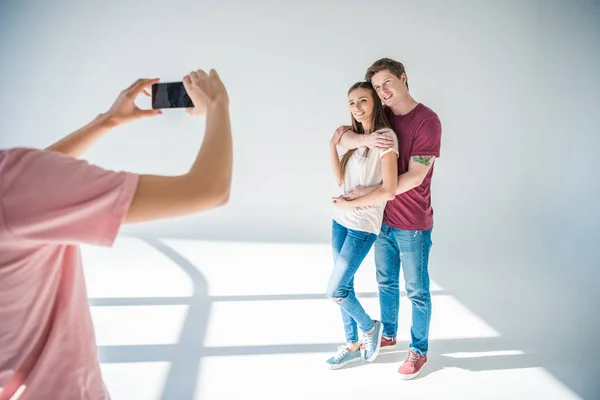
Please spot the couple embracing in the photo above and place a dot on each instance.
(384, 164)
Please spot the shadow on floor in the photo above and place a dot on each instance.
(506, 302)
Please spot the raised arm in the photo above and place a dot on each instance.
(84, 203)
(122, 111)
(207, 184)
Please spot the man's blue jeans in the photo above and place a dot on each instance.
(395, 247)
(350, 247)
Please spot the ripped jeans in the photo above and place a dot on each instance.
(350, 247)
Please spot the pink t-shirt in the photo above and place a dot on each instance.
(50, 203)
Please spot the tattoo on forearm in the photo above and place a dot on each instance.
(425, 160)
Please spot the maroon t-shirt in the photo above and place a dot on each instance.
(419, 134)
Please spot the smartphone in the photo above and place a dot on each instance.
(170, 95)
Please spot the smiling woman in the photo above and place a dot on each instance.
(356, 223)
(366, 113)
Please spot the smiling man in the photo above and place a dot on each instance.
(405, 237)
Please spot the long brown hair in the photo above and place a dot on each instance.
(379, 121)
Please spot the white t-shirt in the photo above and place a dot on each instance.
(364, 171)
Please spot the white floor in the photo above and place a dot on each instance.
(211, 320)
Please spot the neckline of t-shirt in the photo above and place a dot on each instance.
(419, 105)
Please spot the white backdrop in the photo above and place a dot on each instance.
(515, 84)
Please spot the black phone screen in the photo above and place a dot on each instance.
(170, 95)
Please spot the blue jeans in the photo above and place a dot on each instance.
(350, 247)
(411, 249)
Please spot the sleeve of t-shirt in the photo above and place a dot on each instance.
(49, 197)
(394, 148)
(427, 141)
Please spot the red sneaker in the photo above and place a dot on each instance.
(387, 344)
(412, 366)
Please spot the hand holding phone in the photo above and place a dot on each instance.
(124, 109)
(204, 90)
